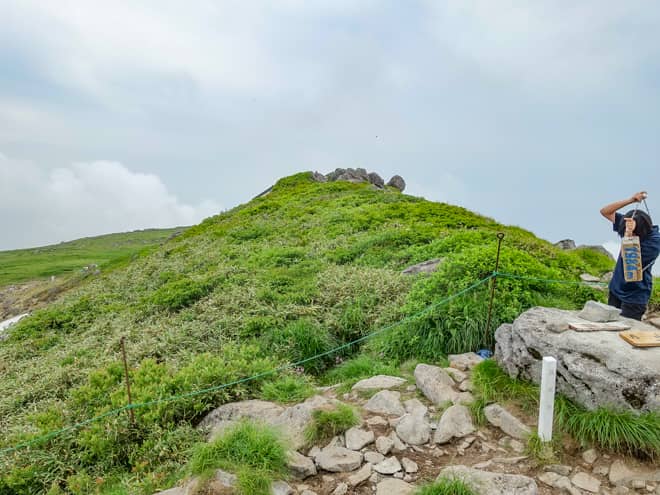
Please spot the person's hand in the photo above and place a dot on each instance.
(630, 226)
(637, 197)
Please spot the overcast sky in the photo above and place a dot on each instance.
(123, 115)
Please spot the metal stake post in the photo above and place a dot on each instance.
(500, 237)
(128, 383)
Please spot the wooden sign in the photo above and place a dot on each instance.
(589, 326)
(640, 338)
(631, 255)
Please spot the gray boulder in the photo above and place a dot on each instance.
(507, 422)
(393, 486)
(301, 467)
(413, 428)
(318, 177)
(565, 244)
(487, 483)
(594, 369)
(379, 382)
(456, 422)
(357, 439)
(435, 383)
(376, 180)
(599, 312)
(386, 402)
(338, 460)
(428, 266)
(397, 182)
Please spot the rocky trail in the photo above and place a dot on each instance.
(417, 429)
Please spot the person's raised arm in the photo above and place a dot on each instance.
(608, 211)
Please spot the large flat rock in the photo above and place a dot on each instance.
(594, 369)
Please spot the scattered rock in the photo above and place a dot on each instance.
(374, 457)
(590, 456)
(397, 182)
(466, 386)
(301, 467)
(465, 361)
(390, 465)
(435, 383)
(587, 277)
(413, 429)
(377, 421)
(622, 474)
(386, 402)
(357, 439)
(586, 482)
(398, 446)
(487, 483)
(379, 382)
(360, 476)
(599, 312)
(281, 488)
(428, 266)
(559, 469)
(342, 489)
(507, 422)
(394, 487)
(565, 244)
(456, 422)
(415, 407)
(228, 414)
(409, 466)
(384, 445)
(457, 375)
(339, 460)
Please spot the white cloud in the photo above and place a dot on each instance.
(41, 206)
(555, 45)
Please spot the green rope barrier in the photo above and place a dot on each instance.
(195, 393)
(547, 280)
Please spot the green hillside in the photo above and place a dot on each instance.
(68, 257)
(295, 273)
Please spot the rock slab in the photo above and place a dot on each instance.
(594, 369)
(487, 483)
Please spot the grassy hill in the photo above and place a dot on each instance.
(68, 257)
(292, 274)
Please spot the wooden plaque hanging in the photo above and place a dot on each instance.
(631, 255)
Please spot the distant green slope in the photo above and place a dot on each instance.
(307, 267)
(67, 257)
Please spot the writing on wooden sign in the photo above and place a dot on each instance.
(631, 255)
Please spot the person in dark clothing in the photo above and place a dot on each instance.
(633, 297)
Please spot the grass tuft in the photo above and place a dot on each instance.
(543, 452)
(254, 451)
(288, 389)
(446, 486)
(327, 423)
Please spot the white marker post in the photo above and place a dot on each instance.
(547, 408)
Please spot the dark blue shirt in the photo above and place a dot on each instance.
(636, 292)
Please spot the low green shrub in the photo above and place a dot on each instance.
(364, 365)
(329, 423)
(288, 389)
(303, 339)
(446, 486)
(254, 451)
(181, 293)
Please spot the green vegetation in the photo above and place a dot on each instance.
(105, 251)
(616, 431)
(446, 486)
(288, 389)
(330, 423)
(283, 278)
(253, 451)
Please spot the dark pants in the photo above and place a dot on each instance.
(628, 310)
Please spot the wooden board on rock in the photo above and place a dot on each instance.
(638, 338)
(590, 326)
